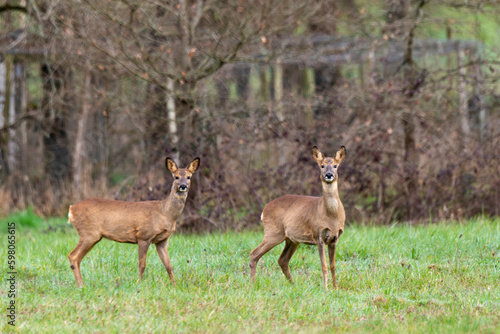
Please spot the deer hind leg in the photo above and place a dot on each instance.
(265, 246)
(84, 246)
(161, 248)
(143, 253)
(284, 260)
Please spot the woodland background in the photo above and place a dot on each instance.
(95, 94)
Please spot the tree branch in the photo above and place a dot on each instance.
(408, 58)
(20, 119)
(15, 8)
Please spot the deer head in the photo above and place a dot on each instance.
(329, 166)
(182, 176)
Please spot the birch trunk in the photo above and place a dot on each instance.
(172, 119)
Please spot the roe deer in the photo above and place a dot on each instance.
(305, 219)
(142, 223)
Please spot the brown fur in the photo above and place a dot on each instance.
(305, 219)
(142, 223)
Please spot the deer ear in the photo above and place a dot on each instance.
(341, 153)
(317, 155)
(171, 165)
(193, 166)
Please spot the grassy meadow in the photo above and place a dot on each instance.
(437, 278)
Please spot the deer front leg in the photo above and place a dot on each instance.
(331, 254)
(161, 248)
(324, 269)
(143, 252)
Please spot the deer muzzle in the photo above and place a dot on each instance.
(329, 177)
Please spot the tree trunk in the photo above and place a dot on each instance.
(482, 109)
(80, 155)
(13, 103)
(21, 108)
(265, 93)
(308, 89)
(155, 125)
(4, 116)
(101, 147)
(12, 145)
(410, 161)
(241, 73)
(3, 84)
(278, 98)
(172, 119)
(278, 90)
(462, 98)
(55, 138)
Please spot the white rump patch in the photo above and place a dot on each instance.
(70, 215)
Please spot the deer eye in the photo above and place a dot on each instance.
(176, 177)
(189, 177)
(335, 166)
(322, 166)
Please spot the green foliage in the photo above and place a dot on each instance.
(22, 219)
(466, 23)
(121, 177)
(403, 278)
(463, 23)
(30, 223)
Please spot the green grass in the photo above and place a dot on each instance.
(466, 23)
(441, 278)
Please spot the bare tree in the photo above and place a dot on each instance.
(172, 46)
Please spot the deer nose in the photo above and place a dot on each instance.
(182, 187)
(328, 177)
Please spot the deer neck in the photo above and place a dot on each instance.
(174, 204)
(330, 199)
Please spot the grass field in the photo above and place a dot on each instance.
(435, 278)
